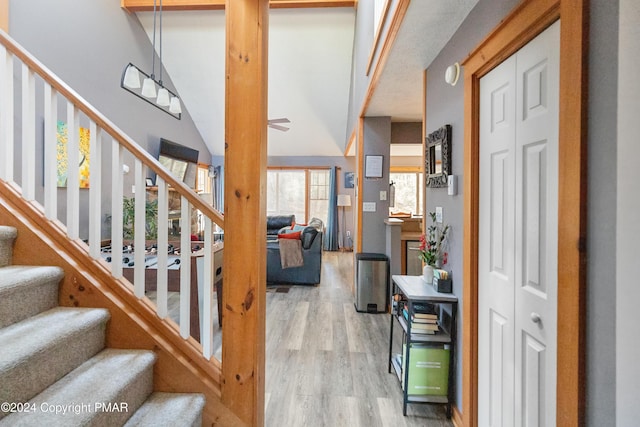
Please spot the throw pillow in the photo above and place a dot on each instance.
(298, 227)
(292, 235)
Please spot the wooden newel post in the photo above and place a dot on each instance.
(244, 296)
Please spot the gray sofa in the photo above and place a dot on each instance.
(311, 239)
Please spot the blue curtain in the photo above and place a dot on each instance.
(331, 236)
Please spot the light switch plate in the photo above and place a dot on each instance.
(439, 214)
(383, 195)
(133, 189)
(368, 206)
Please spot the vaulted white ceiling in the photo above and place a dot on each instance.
(310, 54)
(309, 74)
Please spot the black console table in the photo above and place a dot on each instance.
(411, 293)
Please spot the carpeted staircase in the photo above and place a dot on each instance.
(54, 369)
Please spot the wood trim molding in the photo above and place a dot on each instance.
(167, 5)
(456, 418)
(360, 182)
(350, 143)
(525, 22)
(134, 323)
(424, 142)
(376, 39)
(245, 200)
(4, 15)
(401, 169)
(299, 168)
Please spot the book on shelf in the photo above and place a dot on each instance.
(419, 315)
(425, 308)
(424, 327)
(421, 320)
(423, 332)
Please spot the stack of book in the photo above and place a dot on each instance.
(424, 319)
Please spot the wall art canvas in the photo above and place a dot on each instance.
(62, 157)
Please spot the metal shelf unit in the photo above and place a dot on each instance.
(416, 291)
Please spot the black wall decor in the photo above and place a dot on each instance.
(437, 157)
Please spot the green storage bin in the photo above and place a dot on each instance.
(428, 370)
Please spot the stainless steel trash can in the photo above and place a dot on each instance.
(372, 282)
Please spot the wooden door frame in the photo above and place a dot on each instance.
(523, 24)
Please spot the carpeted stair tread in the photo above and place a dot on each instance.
(7, 236)
(169, 409)
(38, 351)
(26, 291)
(111, 377)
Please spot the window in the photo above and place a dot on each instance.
(319, 194)
(203, 181)
(408, 189)
(302, 192)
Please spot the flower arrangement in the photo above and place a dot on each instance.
(432, 244)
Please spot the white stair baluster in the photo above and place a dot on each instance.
(95, 190)
(139, 242)
(207, 299)
(185, 267)
(163, 244)
(28, 133)
(116, 209)
(6, 115)
(73, 172)
(50, 152)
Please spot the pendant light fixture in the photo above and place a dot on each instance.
(152, 91)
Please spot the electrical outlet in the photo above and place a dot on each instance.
(439, 214)
(348, 233)
(383, 195)
(133, 189)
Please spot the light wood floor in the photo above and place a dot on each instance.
(326, 364)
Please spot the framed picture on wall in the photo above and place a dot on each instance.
(373, 166)
(349, 179)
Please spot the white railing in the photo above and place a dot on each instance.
(43, 99)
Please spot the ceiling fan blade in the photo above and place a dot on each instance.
(281, 120)
(278, 127)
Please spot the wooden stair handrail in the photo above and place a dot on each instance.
(115, 132)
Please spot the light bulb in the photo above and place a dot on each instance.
(174, 106)
(149, 88)
(163, 97)
(132, 77)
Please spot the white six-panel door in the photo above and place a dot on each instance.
(517, 265)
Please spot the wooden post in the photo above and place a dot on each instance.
(244, 296)
(4, 15)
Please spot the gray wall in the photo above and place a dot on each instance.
(377, 135)
(88, 44)
(601, 242)
(628, 227)
(445, 105)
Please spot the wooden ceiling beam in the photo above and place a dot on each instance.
(147, 5)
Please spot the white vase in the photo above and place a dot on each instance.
(427, 274)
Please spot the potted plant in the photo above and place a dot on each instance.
(128, 218)
(432, 247)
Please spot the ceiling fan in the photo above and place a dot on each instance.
(274, 124)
